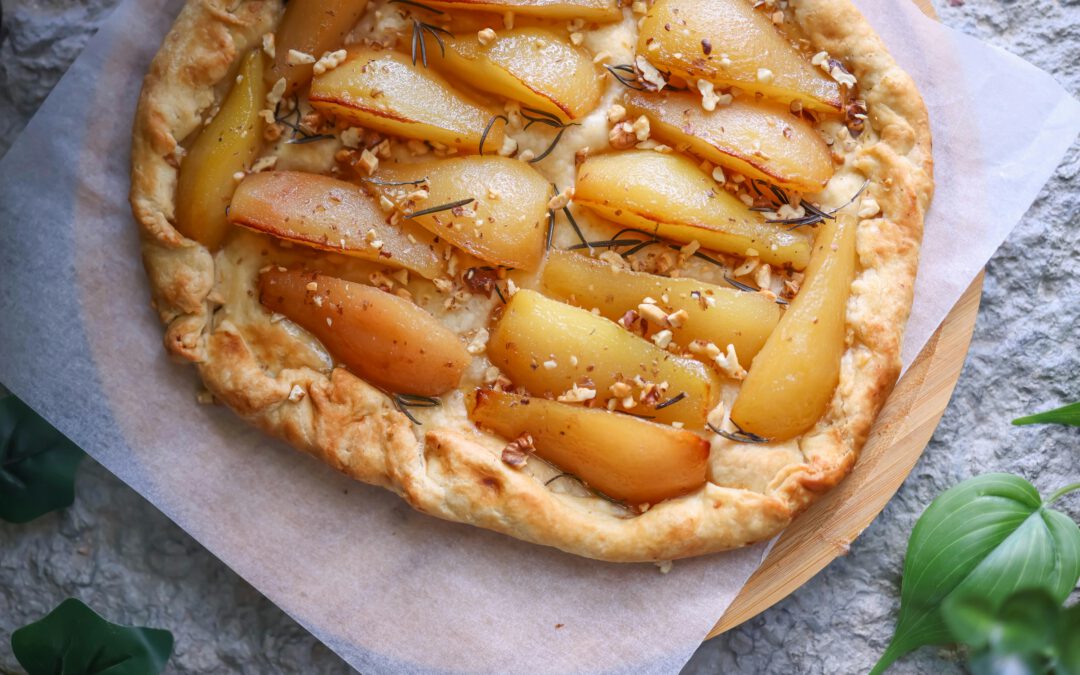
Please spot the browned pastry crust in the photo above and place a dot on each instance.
(754, 491)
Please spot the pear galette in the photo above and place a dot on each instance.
(628, 280)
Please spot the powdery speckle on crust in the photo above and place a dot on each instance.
(353, 427)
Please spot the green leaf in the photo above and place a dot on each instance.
(74, 640)
(37, 464)
(1069, 414)
(985, 538)
(1068, 642)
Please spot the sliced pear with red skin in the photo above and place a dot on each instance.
(589, 10)
(331, 215)
(713, 313)
(385, 340)
(225, 147)
(532, 65)
(730, 43)
(792, 379)
(623, 457)
(670, 195)
(505, 224)
(311, 27)
(549, 347)
(383, 90)
(756, 138)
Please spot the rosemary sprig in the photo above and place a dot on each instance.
(814, 214)
(390, 183)
(405, 401)
(305, 136)
(738, 436)
(627, 76)
(570, 218)
(594, 491)
(548, 119)
(439, 208)
(671, 401)
(487, 130)
(420, 30)
(309, 139)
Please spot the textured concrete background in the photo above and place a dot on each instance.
(119, 554)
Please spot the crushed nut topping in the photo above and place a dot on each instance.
(329, 61)
(577, 395)
(622, 136)
(729, 364)
(298, 58)
(516, 453)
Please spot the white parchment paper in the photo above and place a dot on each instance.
(386, 588)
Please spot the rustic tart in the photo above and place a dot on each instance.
(629, 280)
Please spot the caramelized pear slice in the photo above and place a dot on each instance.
(590, 10)
(331, 215)
(730, 43)
(222, 149)
(506, 224)
(758, 139)
(532, 65)
(548, 347)
(669, 195)
(386, 340)
(311, 27)
(793, 377)
(383, 90)
(713, 313)
(623, 457)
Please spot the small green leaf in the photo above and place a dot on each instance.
(74, 640)
(37, 464)
(1069, 414)
(986, 537)
(971, 621)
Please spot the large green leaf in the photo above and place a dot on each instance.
(984, 538)
(74, 640)
(37, 464)
(1069, 414)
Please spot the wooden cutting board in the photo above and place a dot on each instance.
(897, 441)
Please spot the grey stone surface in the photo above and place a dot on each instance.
(119, 554)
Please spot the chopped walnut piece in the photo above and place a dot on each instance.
(616, 113)
(622, 136)
(729, 364)
(577, 395)
(297, 393)
(329, 61)
(649, 74)
(486, 36)
(478, 343)
(561, 200)
(299, 58)
(641, 128)
(516, 453)
(268, 46)
(368, 162)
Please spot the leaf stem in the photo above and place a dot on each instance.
(1061, 492)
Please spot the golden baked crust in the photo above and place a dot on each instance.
(754, 491)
